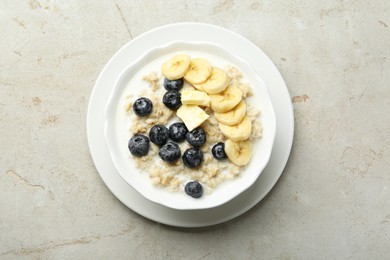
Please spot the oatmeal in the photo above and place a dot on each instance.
(211, 103)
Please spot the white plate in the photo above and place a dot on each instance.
(242, 48)
(117, 125)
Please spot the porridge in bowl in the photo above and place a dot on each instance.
(192, 128)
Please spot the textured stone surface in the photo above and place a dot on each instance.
(332, 202)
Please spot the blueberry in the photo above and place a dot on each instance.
(192, 157)
(143, 106)
(172, 99)
(218, 151)
(194, 189)
(158, 135)
(176, 84)
(178, 131)
(139, 145)
(196, 137)
(170, 152)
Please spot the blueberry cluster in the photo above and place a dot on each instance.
(159, 134)
(167, 138)
(172, 98)
(169, 151)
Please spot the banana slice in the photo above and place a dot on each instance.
(232, 117)
(198, 87)
(192, 116)
(216, 83)
(176, 67)
(226, 100)
(199, 71)
(239, 132)
(195, 97)
(238, 153)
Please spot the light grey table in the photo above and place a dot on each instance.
(333, 199)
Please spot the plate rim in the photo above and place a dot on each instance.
(288, 144)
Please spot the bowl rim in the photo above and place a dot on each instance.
(111, 105)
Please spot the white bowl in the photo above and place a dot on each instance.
(117, 133)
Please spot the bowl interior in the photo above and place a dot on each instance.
(117, 126)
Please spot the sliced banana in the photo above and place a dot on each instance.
(195, 97)
(199, 71)
(232, 117)
(192, 116)
(239, 132)
(226, 100)
(198, 87)
(216, 83)
(240, 152)
(176, 67)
